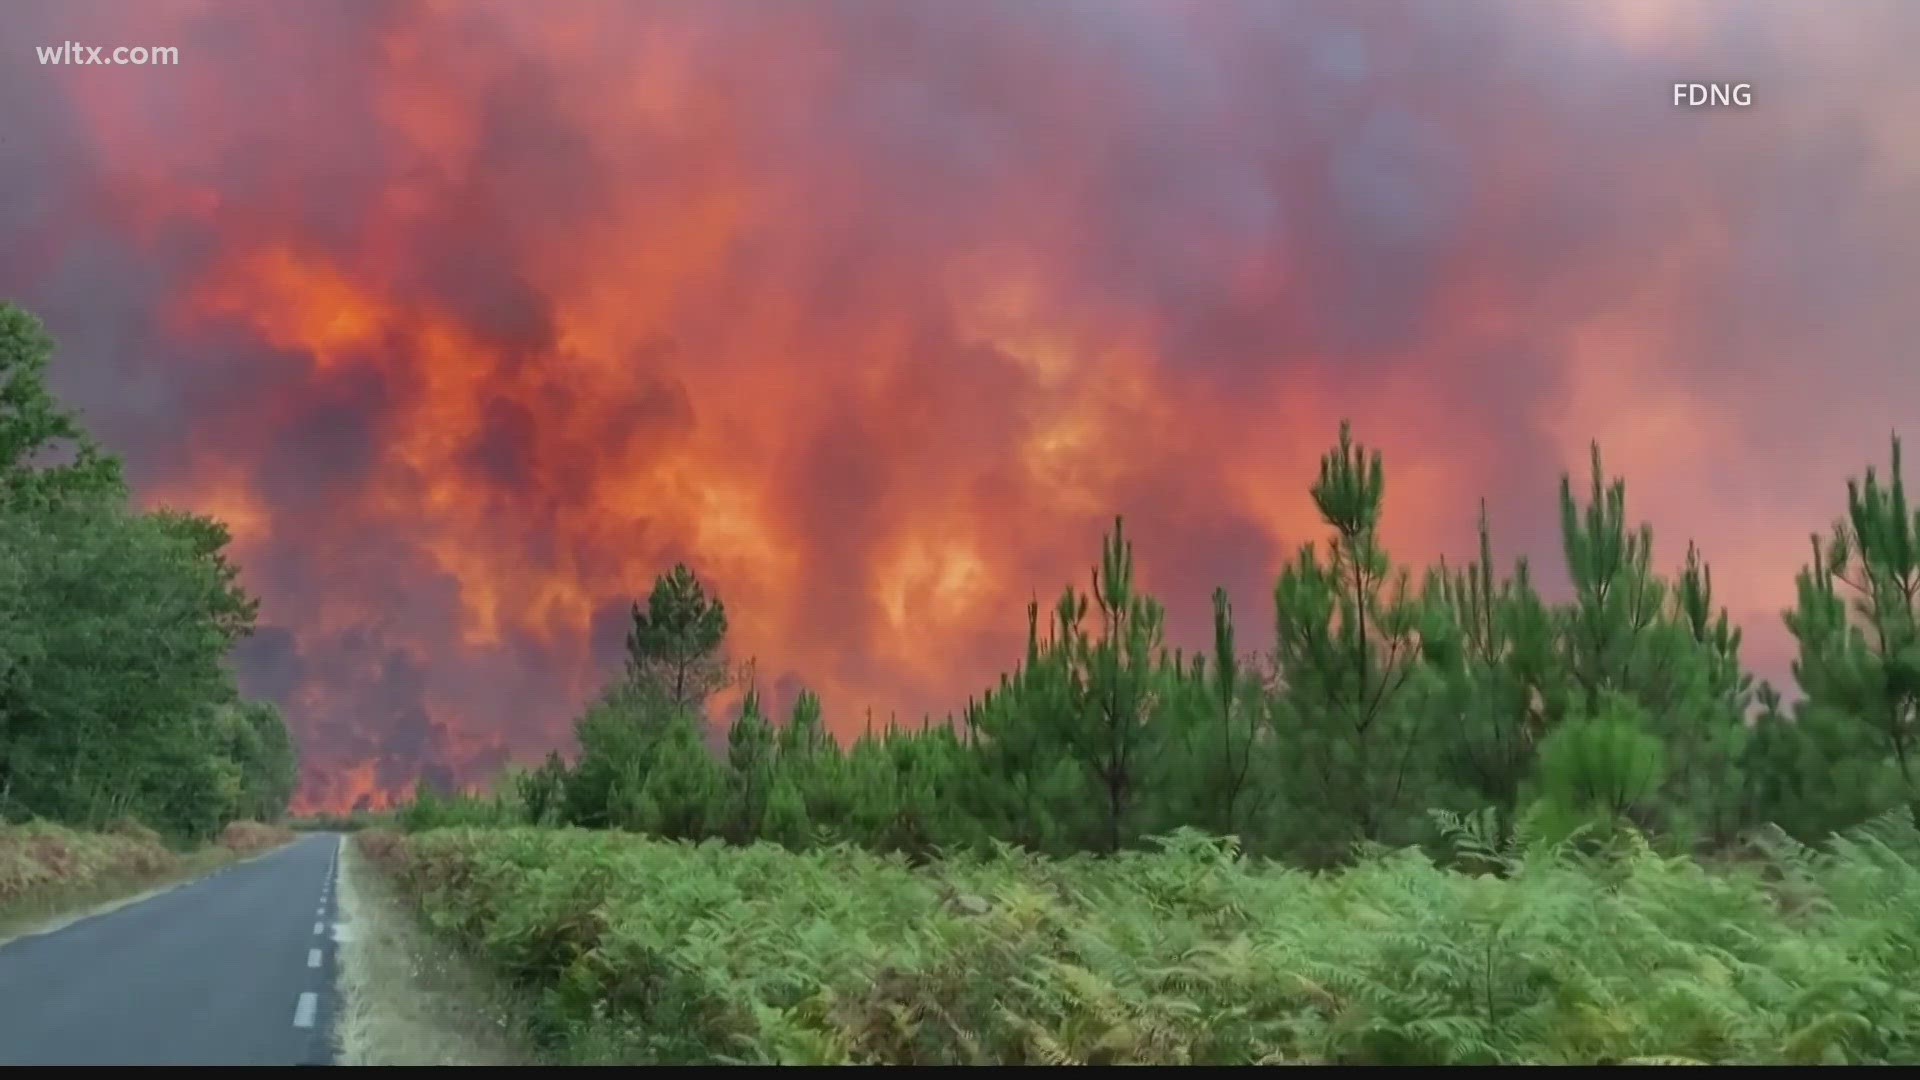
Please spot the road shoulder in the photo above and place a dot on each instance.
(406, 997)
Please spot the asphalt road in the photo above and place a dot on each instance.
(236, 968)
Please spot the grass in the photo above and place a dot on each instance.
(51, 875)
(640, 951)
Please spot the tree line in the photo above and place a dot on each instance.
(1380, 705)
(116, 624)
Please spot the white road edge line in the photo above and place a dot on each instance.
(319, 928)
(303, 1012)
(313, 958)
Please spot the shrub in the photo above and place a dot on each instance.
(40, 856)
(687, 953)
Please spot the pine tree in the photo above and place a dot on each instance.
(676, 643)
(1716, 747)
(682, 793)
(1033, 790)
(1492, 641)
(786, 822)
(1816, 771)
(1628, 634)
(617, 735)
(1238, 730)
(1348, 653)
(750, 755)
(1606, 769)
(1117, 676)
(541, 790)
(1859, 653)
(803, 734)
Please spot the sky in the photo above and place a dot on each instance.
(472, 318)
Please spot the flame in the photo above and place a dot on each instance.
(470, 319)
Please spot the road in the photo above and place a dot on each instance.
(236, 968)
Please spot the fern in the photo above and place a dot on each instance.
(1516, 952)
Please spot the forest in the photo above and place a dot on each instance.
(117, 700)
(1415, 818)
(1377, 703)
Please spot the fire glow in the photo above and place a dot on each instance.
(471, 318)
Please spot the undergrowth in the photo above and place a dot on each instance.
(40, 855)
(48, 870)
(648, 951)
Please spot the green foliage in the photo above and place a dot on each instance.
(542, 790)
(266, 762)
(1630, 634)
(115, 626)
(750, 750)
(1605, 769)
(1353, 698)
(804, 734)
(676, 953)
(616, 736)
(1493, 644)
(432, 809)
(1818, 770)
(118, 700)
(1541, 831)
(785, 821)
(1113, 682)
(675, 644)
(680, 791)
(1623, 704)
(46, 459)
(1855, 624)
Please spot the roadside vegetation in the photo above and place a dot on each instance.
(49, 873)
(647, 951)
(340, 823)
(126, 751)
(1434, 817)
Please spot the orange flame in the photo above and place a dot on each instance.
(877, 315)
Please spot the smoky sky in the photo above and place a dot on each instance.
(471, 319)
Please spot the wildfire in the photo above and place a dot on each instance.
(472, 318)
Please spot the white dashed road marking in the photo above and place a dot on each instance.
(309, 1003)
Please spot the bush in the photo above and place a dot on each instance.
(40, 856)
(702, 953)
(247, 837)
